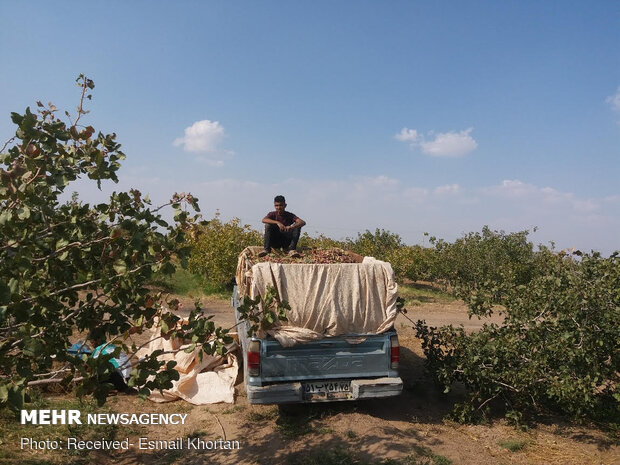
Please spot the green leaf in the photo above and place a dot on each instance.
(60, 243)
(23, 213)
(5, 217)
(16, 118)
(168, 268)
(120, 266)
(13, 285)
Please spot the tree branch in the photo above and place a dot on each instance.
(53, 381)
(80, 107)
(30, 181)
(487, 401)
(89, 283)
(68, 246)
(7, 143)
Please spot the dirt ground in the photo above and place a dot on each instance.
(409, 429)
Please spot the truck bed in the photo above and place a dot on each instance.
(344, 367)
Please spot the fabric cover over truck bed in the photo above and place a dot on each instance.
(326, 299)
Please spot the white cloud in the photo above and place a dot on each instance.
(365, 188)
(614, 100)
(512, 188)
(447, 189)
(450, 144)
(533, 197)
(381, 181)
(407, 135)
(444, 144)
(586, 206)
(202, 137)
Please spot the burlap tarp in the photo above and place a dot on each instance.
(325, 299)
(209, 381)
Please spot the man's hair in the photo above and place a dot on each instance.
(279, 199)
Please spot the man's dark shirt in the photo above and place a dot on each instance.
(287, 218)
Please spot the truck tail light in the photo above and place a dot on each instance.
(394, 352)
(254, 358)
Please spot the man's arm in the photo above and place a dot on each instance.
(299, 223)
(268, 220)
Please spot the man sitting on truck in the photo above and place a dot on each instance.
(282, 229)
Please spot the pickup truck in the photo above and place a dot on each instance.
(334, 366)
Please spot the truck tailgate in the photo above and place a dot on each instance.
(329, 358)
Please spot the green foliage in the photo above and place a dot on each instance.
(79, 267)
(556, 351)
(181, 282)
(379, 244)
(410, 262)
(481, 264)
(321, 242)
(216, 248)
(419, 293)
(263, 313)
(413, 262)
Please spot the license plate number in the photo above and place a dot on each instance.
(327, 389)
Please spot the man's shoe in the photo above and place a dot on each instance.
(293, 254)
(263, 253)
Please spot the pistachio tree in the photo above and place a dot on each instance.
(71, 271)
(556, 351)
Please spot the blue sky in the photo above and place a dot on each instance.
(413, 116)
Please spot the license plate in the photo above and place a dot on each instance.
(327, 390)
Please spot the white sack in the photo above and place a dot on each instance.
(209, 381)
